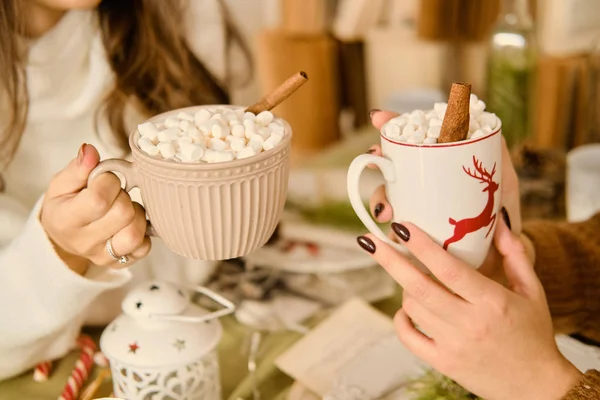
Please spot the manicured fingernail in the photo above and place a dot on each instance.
(366, 243)
(370, 151)
(401, 231)
(81, 153)
(506, 218)
(372, 112)
(378, 210)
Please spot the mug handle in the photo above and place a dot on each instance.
(355, 171)
(124, 168)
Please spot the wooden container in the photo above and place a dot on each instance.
(313, 111)
(306, 17)
(563, 102)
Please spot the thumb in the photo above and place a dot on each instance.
(519, 271)
(74, 177)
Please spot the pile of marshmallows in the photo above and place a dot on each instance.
(211, 136)
(423, 127)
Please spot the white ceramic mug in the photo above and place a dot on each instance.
(583, 182)
(450, 190)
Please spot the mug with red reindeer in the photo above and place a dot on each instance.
(450, 190)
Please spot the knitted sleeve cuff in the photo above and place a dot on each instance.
(588, 387)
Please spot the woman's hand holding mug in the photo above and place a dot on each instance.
(509, 200)
(80, 219)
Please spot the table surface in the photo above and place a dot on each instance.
(236, 383)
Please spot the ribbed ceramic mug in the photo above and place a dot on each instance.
(450, 190)
(208, 211)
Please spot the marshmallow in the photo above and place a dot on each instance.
(212, 156)
(391, 130)
(238, 131)
(216, 135)
(479, 106)
(418, 136)
(434, 131)
(417, 117)
(246, 152)
(430, 114)
(236, 143)
(207, 127)
(250, 127)
(191, 152)
(220, 130)
(195, 135)
(202, 116)
(429, 140)
(147, 146)
(478, 133)
(184, 140)
(435, 122)
(276, 129)
(185, 116)
(473, 125)
(440, 109)
(166, 149)
(487, 129)
(271, 142)
(218, 144)
(400, 120)
(186, 124)
(148, 130)
(264, 118)
(169, 134)
(172, 122)
(409, 130)
(490, 119)
(473, 100)
(264, 132)
(230, 116)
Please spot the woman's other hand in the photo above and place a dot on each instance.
(79, 219)
(497, 342)
(509, 199)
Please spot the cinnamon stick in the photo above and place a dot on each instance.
(285, 90)
(455, 126)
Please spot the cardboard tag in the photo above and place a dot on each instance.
(316, 360)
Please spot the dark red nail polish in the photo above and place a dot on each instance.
(506, 218)
(401, 231)
(366, 243)
(378, 210)
(372, 112)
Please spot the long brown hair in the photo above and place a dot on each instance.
(153, 65)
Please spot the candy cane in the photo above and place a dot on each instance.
(41, 373)
(82, 369)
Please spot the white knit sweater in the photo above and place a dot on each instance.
(43, 304)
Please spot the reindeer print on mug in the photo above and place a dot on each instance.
(485, 217)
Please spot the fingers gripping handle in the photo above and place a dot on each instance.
(355, 171)
(125, 169)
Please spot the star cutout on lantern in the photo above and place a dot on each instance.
(133, 347)
(154, 287)
(138, 305)
(179, 344)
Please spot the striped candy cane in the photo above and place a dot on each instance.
(82, 369)
(41, 373)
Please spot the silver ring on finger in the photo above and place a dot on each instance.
(111, 252)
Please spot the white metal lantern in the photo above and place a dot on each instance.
(163, 347)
